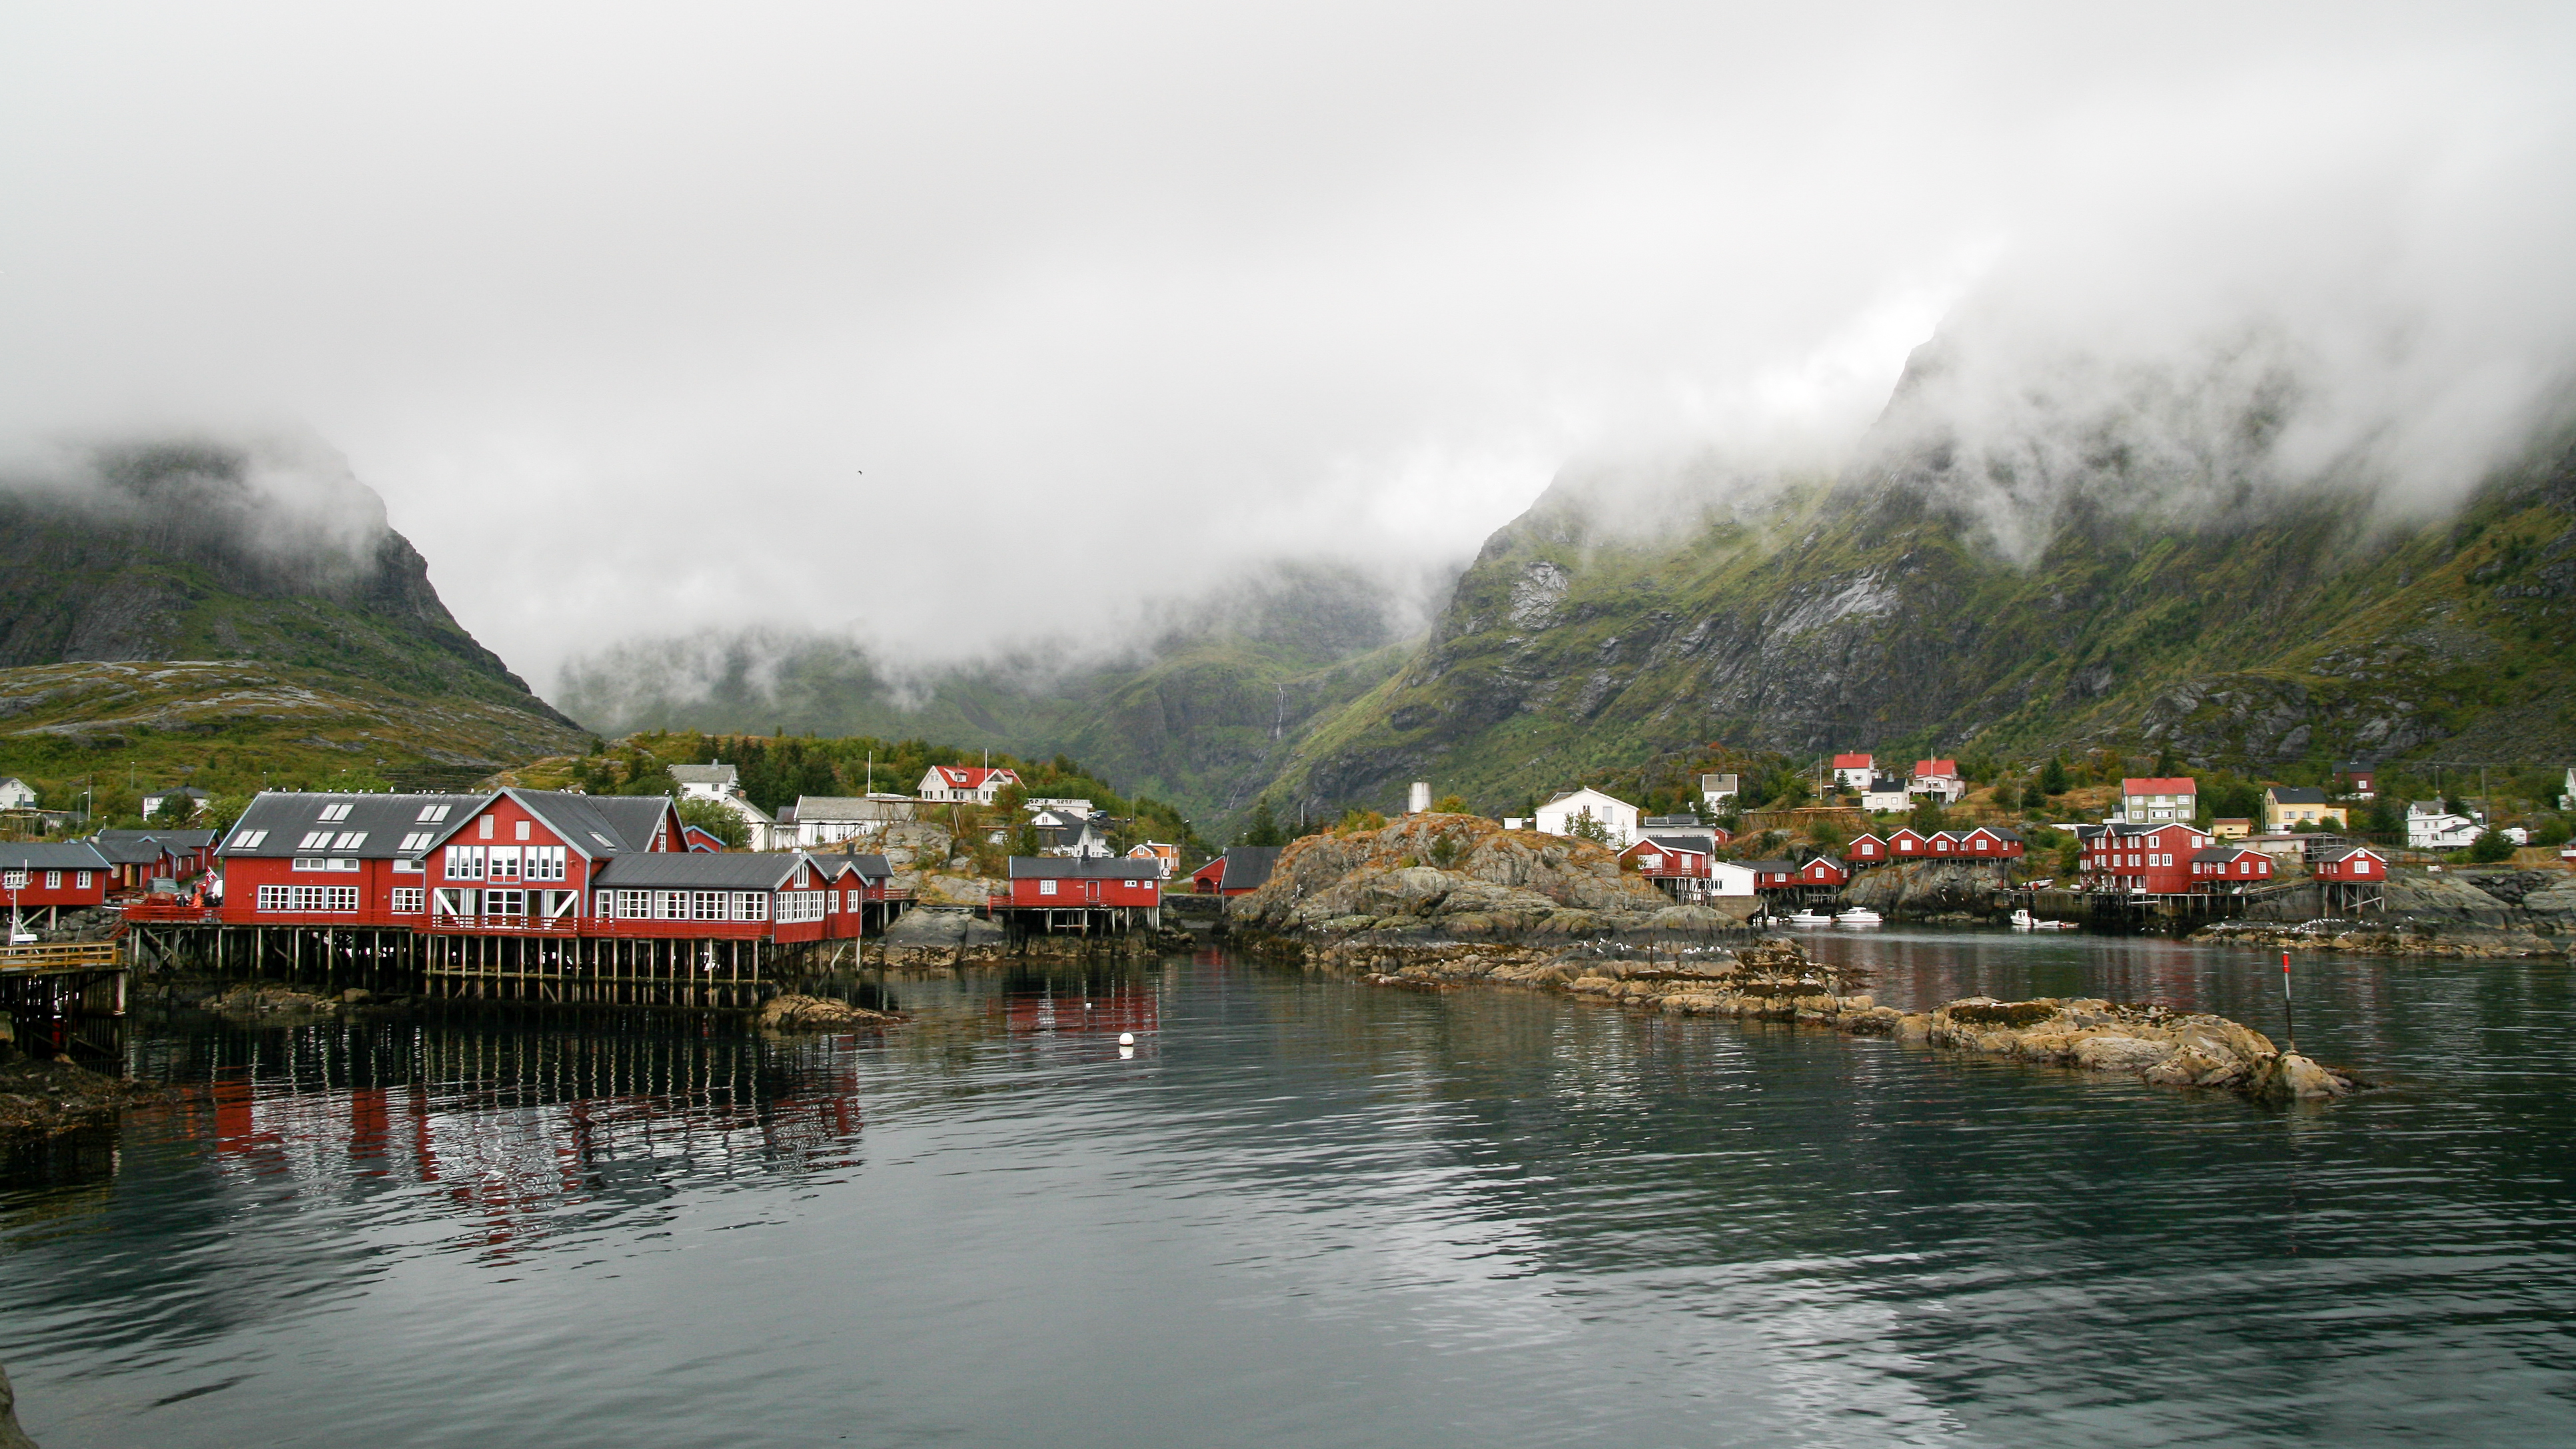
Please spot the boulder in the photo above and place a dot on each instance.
(2111, 1053)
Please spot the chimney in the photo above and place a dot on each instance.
(1418, 801)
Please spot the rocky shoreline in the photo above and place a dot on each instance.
(1773, 980)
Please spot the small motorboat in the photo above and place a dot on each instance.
(2023, 920)
(1860, 916)
(1806, 917)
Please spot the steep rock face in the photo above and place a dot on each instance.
(2260, 626)
(217, 551)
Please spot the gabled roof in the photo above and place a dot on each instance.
(2160, 785)
(720, 776)
(2223, 853)
(853, 808)
(580, 822)
(1695, 844)
(1885, 785)
(1089, 867)
(1851, 762)
(50, 855)
(1248, 867)
(172, 839)
(1936, 767)
(278, 823)
(1997, 831)
(694, 870)
(1780, 867)
(2329, 857)
(2296, 795)
(971, 777)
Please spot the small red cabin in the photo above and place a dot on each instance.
(1986, 842)
(1904, 844)
(2360, 863)
(1824, 870)
(1772, 875)
(1667, 859)
(1053, 882)
(51, 875)
(1867, 850)
(2224, 867)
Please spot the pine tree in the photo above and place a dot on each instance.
(1263, 828)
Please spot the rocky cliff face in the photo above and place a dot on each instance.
(1876, 610)
(268, 551)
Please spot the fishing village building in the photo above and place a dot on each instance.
(517, 895)
(965, 784)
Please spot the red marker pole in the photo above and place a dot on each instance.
(2289, 1018)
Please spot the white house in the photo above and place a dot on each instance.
(1854, 772)
(2430, 827)
(17, 794)
(722, 784)
(1885, 792)
(965, 784)
(1714, 790)
(831, 819)
(1937, 778)
(181, 803)
(1616, 817)
(2154, 799)
(1726, 878)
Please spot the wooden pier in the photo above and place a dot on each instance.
(64, 998)
(535, 967)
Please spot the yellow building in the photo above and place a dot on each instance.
(2286, 807)
(2231, 827)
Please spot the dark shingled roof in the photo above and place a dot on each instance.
(1699, 844)
(2298, 795)
(1248, 867)
(289, 816)
(50, 855)
(1096, 867)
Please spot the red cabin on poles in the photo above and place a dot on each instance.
(2147, 859)
(1985, 842)
(1865, 851)
(2358, 865)
(2228, 867)
(1907, 844)
(1062, 882)
(298, 858)
(1774, 875)
(1824, 870)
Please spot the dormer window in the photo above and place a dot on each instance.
(339, 811)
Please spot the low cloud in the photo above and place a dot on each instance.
(943, 328)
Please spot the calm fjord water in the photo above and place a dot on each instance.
(1307, 1212)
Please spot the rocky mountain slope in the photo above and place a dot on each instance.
(240, 611)
(2246, 626)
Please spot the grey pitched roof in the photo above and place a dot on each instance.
(635, 817)
(1248, 867)
(1997, 831)
(693, 870)
(289, 817)
(721, 776)
(854, 807)
(128, 847)
(1784, 867)
(2298, 795)
(2224, 853)
(1699, 843)
(1089, 867)
(175, 839)
(2329, 857)
(51, 855)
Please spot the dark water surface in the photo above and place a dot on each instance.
(1306, 1212)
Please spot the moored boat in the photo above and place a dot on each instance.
(1860, 916)
(1806, 917)
(2023, 920)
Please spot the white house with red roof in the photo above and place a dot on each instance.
(965, 784)
(2149, 800)
(1852, 772)
(1937, 778)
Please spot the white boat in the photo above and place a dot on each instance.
(1810, 918)
(2023, 920)
(1860, 916)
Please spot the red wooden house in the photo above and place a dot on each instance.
(1774, 875)
(1057, 882)
(2153, 859)
(1824, 870)
(2228, 867)
(1852, 772)
(692, 895)
(2358, 865)
(52, 875)
(1866, 850)
(701, 840)
(309, 858)
(1908, 844)
(965, 783)
(1241, 868)
(1986, 842)
(1669, 859)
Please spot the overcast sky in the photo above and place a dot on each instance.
(934, 321)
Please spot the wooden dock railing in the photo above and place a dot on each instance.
(61, 956)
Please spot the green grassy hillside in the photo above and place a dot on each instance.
(2288, 628)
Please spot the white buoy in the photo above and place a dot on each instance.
(1126, 1038)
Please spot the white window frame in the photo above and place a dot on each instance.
(53, 880)
(464, 862)
(1046, 887)
(410, 900)
(501, 862)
